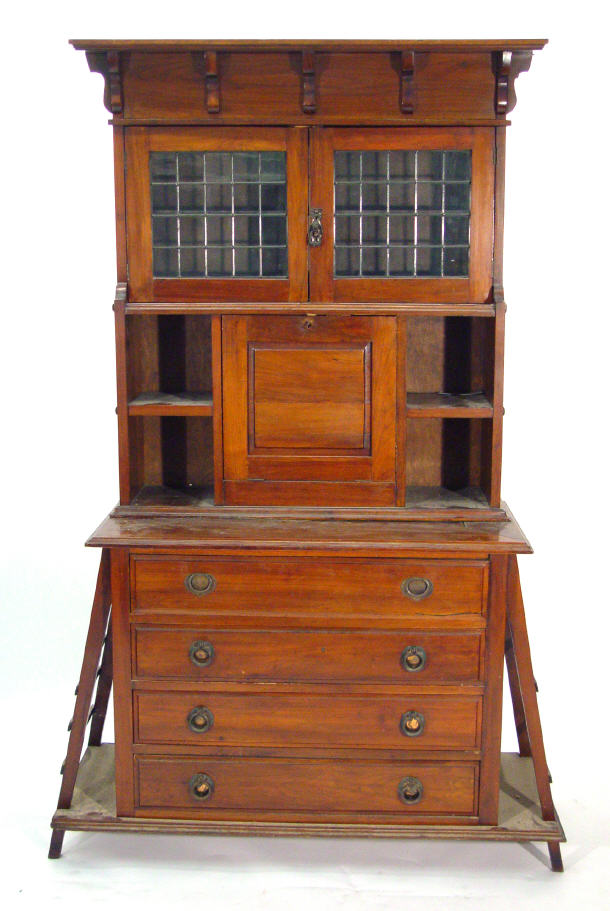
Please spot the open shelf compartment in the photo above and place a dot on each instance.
(449, 367)
(170, 409)
(174, 428)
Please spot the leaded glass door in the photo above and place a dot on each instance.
(407, 215)
(217, 214)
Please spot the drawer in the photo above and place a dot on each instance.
(308, 587)
(410, 657)
(404, 789)
(271, 719)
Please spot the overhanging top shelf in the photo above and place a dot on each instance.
(380, 46)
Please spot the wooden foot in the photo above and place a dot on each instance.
(555, 856)
(57, 840)
(94, 650)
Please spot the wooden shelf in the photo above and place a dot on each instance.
(192, 497)
(194, 308)
(440, 498)
(429, 504)
(445, 405)
(165, 404)
(349, 46)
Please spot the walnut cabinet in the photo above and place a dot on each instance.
(309, 586)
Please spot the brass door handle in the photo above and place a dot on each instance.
(200, 583)
(314, 230)
(201, 786)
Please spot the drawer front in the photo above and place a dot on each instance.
(410, 657)
(321, 786)
(288, 587)
(415, 722)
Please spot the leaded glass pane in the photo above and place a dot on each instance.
(402, 213)
(219, 214)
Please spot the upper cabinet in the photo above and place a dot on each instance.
(320, 214)
(310, 308)
(327, 172)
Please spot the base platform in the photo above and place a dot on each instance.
(94, 809)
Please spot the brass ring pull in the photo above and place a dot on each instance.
(201, 786)
(200, 719)
(412, 724)
(201, 653)
(200, 583)
(413, 658)
(410, 790)
(416, 588)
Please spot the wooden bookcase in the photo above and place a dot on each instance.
(309, 586)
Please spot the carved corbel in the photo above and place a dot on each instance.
(407, 82)
(309, 82)
(509, 65)
(108, 63)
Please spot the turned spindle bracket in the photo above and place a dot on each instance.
(212, 82)
(308, 67)
(407, 82)
(206, 64)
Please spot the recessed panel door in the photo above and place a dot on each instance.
(309, 410)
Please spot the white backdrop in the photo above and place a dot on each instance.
(60, 462)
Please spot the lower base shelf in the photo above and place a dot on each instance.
(94, 809)
(421, 504)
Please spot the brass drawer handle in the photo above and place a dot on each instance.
(412, 724)
(416, 588)
(413, 658)
(201, 786)
(200, 719)
(200, 583)
(410, 790)
(201, 653)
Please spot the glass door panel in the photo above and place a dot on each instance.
(406, 214)
(213, 218)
